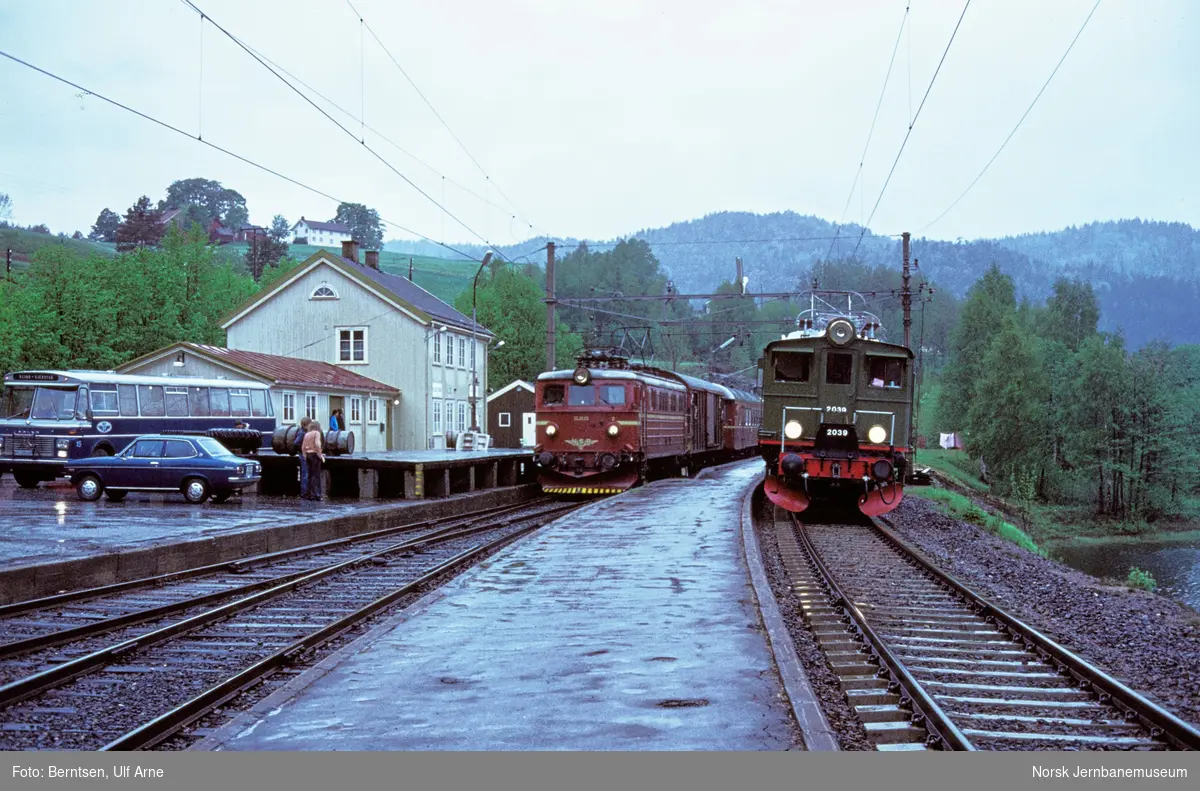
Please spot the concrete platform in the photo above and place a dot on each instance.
(628, 625)
(50, 540)
(407, 474)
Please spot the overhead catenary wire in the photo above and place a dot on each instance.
(1020, 121)
(871, 132)
(221, 149)
(336, 122)
(436, 114)
(912, 123)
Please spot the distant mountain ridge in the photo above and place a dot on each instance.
(1145, 273)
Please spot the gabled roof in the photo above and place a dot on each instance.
(401, 292)
(515, 383)
(334, 227)
(273, 368)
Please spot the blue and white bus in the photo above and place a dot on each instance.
(50, 417)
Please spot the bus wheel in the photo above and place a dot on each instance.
(102, 450)
(27, 480)
(195, 491)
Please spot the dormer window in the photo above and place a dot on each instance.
(324, 291)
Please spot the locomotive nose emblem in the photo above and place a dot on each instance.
(581, 443)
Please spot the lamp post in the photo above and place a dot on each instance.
(474, 396)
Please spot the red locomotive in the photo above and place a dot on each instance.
(603, 427)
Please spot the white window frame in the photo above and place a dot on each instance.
(331, 295)
(372, 410)
(355, 410)
(505, 419)
(337, 346)
(462, 352)
(437, 348)
(289, 407)
(437, 418)
(462, 416)
(311, 405)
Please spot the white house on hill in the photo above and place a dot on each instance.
(384, 327)
(326, 234)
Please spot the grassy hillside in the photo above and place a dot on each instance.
(25, 243)
(444, 278)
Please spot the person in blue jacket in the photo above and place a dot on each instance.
(337, 421)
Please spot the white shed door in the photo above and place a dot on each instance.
(528, 426)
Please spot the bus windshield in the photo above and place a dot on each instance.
(40, 403)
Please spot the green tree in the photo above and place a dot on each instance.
(263, 251)
(509, 303)
(5, 206)
(280, 230)
(1099, 417)
(105, 229)
(989, 302)
(365, 226)
(1072, 313)
(141, 227)
(210, 199)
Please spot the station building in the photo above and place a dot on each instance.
(383, 328)
(511, 416)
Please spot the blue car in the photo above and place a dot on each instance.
(197, 467)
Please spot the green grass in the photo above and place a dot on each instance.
(444, 278)
(966, 509)
(953, 464)
(25, 243)
(1141, 580)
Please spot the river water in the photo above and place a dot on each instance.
(1176, 567)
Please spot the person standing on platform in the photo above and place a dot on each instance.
(296, 446)
(336, 421)
(313, 452)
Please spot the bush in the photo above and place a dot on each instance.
(1140, 580)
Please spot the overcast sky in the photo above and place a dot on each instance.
(601, 117)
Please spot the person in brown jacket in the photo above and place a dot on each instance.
(314, 457)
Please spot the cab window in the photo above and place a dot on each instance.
(148, 449)
(885, 372)
(613, 395)
(793, 366)
(839, 368)
(553, 395)
(581, 395)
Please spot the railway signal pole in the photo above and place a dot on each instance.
(550, 303)
(906, 292)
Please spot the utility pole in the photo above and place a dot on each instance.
(550, 304)
(8, 263)
(410, 269)
(473, 394)
(906, 293)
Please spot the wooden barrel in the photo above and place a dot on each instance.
(283, 441)
(339, 443)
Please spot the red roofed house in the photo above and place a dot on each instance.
(298, 387)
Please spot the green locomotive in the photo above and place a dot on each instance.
(837, 409)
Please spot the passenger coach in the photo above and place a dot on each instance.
(52, 417)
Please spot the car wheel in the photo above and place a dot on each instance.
(220, 497)
(89, 488)
(116, 497)
(27, 480)
(195, 490)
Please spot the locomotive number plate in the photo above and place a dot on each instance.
(839, 409)
(837, 432)
(581, 417)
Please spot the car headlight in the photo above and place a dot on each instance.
(62, 444)
(613, 430)
(241, 470)
(792, 429)
(877, 435)
(551, 430)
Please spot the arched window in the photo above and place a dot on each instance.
(324, 291)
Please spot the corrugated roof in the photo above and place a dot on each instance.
(289, 371)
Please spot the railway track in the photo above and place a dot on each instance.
(158, 656)
(926, 663)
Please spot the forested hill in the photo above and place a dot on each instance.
(1145, 273)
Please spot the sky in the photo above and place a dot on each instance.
(596, 118)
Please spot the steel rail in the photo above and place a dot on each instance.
(105, 625)
(165, 725)
(926, 711)
(56, 676)
(244, 563)
(1161, 723)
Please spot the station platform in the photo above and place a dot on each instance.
(50, 540)
(630, 624)
(403, 474)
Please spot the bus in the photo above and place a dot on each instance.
(48, 418)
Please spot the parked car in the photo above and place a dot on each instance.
(197, 467)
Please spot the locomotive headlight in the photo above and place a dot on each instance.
(877, 435)
(792, 429)
(551, 430)
(613, 430)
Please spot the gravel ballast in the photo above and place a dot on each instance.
(1147, 641)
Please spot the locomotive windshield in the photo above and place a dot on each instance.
(885, 372)
(583, 395)
(613, 395)
(839, 368)
(792, 366)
